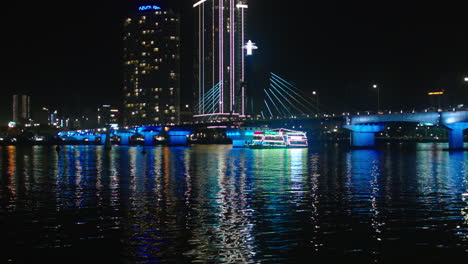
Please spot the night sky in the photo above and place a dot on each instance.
(68, 56)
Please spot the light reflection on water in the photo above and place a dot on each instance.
(214, 203)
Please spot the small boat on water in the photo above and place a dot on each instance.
(279, 138)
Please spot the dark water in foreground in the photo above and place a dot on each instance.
(216, 204)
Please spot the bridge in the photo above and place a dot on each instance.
(178, 134)
(364, 127)
(284, 105)
(175, 136)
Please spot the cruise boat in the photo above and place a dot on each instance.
(279, 138)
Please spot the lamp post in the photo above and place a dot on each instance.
(315, 94)
(375, 86)
(466, 84)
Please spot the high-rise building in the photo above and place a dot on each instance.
(220, 60)
(21, 109)
(151, 87)
(107, 116)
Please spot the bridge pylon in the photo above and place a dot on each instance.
(455, 135)
(363, 136)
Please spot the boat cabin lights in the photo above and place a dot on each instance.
(296, 138)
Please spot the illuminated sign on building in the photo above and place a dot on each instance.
(149, 7)
(249, 46)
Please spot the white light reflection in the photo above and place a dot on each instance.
(298, 167)
(314, 203)
(457, 169)
(114, 184)
(365, 172)
(99, 174)
(78, 174)
(228, 230)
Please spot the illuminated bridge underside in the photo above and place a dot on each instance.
(176, 136)
(364, 127)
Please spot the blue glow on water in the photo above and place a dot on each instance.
(177, 140)
(359, 139)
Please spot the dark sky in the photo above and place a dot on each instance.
(68, 55)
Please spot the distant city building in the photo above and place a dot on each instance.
(42, 116)
(151, 87)
(108, 116)
(220, 60)
(54, 118)
(21, 109)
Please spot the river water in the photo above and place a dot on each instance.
(399, 203)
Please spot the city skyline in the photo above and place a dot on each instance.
(234, 131)
(64, 57)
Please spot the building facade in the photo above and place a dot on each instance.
(107, 116)
(151, 81)
(21, 109)
(220, 90)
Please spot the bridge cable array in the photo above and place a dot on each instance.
(284, 99)
(209, 103)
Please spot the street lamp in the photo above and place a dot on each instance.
(315, 94)
(466, 79)
(375, 86)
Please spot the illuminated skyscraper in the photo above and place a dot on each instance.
(220, 59)
(151, 87)
(21, 109)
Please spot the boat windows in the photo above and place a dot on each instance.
(298, 142)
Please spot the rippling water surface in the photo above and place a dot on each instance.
(218, 204)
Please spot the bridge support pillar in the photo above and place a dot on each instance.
(148, 133)
(103, 138)
(178, 137)
(149, 137)
(125, 138)
(455, 135)
(363, 136)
